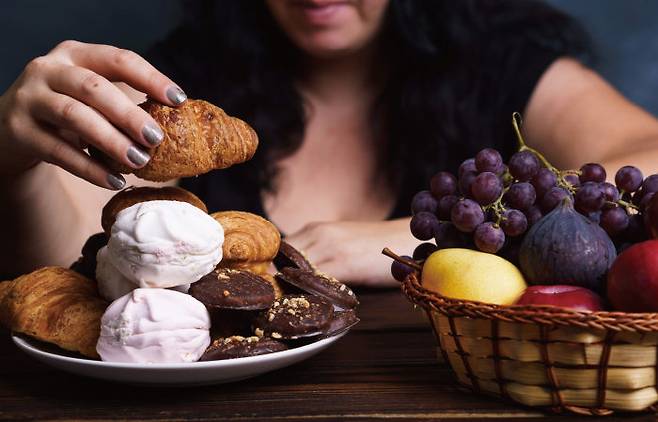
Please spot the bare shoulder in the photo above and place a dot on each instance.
(575, 116)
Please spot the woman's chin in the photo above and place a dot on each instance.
(331, 49)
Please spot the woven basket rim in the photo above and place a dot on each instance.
(529, 314)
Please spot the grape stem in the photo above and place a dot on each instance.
(497, 206)
(626, 205)
(409, 262)
(517, 122)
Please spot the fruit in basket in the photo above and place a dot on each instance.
(563, 296)
(633, 279)
(490, 206)
(565, 247)
(471, 275)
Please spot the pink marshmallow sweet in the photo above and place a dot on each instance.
(152, 325)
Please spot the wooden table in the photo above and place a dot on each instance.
(385, 368)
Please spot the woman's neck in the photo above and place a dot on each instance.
(347, 78)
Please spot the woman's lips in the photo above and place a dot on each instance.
(320, 12)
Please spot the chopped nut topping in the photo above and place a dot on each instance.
(233, 339)
(226, 293)
(276, 335)
(299, 302)
(270, 316)
(259, 332)
(342, 287)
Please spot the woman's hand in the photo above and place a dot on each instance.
(351, 251)
(66, 100)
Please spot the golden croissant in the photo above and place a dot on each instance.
(132, 196)
(198, 137)
(55, 305)
(250, 243)
(248, 238)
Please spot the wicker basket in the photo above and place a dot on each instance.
(590, 363)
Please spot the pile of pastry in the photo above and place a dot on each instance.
(166, 282)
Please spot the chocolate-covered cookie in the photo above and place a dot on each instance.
(288, 256)
(319, 284)
(295, 316)
(231, 322)
(233, 289)
(238, 347)
(86, 264)
(341, 322)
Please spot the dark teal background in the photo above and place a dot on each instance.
(625, 33)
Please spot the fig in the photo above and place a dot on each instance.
(565, 247)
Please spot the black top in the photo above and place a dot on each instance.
(506, 83)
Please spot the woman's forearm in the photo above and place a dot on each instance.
(39, 221)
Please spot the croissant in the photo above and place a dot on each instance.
(250, 243)
(199, 137)
(55, 305)
(248, 238)
(132, 196)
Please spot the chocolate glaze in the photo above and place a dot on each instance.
(288, 256)
(295, 316)
(233, 289)
(341, 322)
(321, 285)
(238, 347)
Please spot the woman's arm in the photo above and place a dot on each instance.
(60, 103)
(46, 216)
(575, 117)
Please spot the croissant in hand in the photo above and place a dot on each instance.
(198, 137)
(55, 305)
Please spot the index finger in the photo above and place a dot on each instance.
(120, 65)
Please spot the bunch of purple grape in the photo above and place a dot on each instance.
(490, 205)
(487, 204)
(617, 207)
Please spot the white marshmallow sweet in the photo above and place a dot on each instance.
(165, 243)
(154, 326)
(111, 283)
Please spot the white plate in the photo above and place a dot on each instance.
(171, 374)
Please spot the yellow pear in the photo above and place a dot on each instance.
(471, 275)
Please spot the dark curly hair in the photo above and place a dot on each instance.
(456, 71)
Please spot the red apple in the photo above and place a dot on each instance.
(633, 279)
(563, 296)
(651, 216)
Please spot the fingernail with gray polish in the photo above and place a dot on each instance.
(116, 181)
(137, 156)
(176, 95)
(152, 133)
